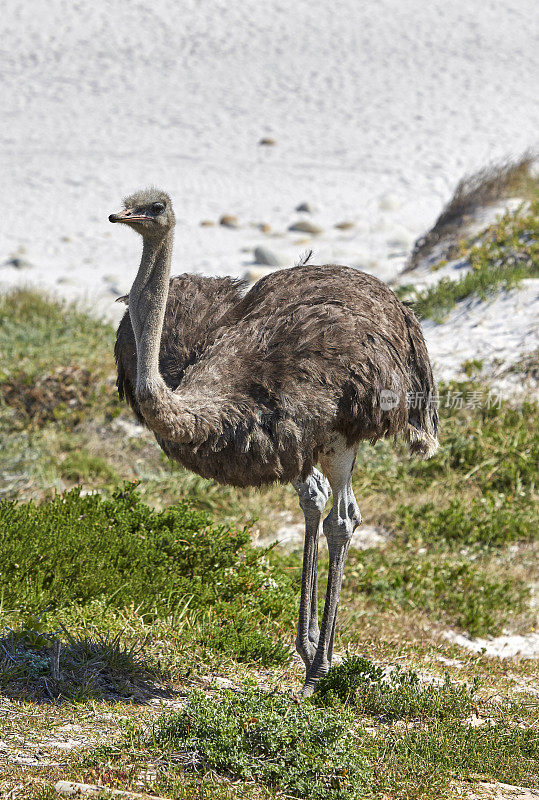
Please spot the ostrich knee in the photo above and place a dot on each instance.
(313, 495)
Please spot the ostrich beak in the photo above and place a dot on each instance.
(128, 215)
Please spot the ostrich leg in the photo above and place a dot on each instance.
(338, 527)
(313, 495)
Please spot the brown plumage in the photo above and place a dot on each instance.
(260, 387)
(306, 352)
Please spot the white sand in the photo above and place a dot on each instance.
(497, 331)
(377, 109)
(500, 646)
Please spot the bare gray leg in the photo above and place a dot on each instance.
(313, 495)
(338, 527)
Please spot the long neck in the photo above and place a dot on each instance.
(163, 410)
(147, 304)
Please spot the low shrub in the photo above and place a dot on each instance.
(75, 549)
(290, 747)
(369, 689)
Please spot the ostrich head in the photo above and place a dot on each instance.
(148, 212)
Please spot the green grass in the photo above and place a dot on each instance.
(240, 638)
(75, 549)
(268, 738)
(112, 553)
(358, 683)
(505, 254)
(35, 331)
(445, 585)
(424, 762)
(362, 735)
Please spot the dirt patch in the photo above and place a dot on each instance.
(42, 399)
(41, 667)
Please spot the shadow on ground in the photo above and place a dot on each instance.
(42, 667)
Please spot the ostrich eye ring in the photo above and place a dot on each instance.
(158, 208)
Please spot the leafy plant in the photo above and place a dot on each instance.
(75, 549)
(290, 747)
(399, 694)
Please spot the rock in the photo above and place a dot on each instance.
(19, 262)
(389, 202)
(345, 226)
(131, 429)
(73, 789)
(254, 274)
(263, 255)
(229, 221)
(369, 536)
(206, 223)
(306, 208)
(400, 238)
(305, 226)
(265, 227)
(267, 141)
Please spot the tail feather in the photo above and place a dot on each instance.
(422, 432)
(421, 443)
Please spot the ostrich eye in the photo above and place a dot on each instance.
(158, 208)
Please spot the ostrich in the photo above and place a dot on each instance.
(257, 387)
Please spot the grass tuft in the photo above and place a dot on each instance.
(40, 666)
(369, 689)
(506, 253)
(473, 194)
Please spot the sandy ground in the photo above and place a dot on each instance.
(376, 109)
(497, 332)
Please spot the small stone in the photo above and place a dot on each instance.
(207, 223)
(19, 262)
(306, 208)
(400, 238)
(265, 227)
(267, 141)
(254, 274)
(229, 221)
(263, 255)
(345, 226)
(388, 202)
(305, 226)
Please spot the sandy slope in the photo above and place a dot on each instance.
(377, 109)
(497, 331)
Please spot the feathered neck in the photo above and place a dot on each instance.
(147, 304)
(162, 409)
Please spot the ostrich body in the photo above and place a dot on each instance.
(260, 387)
